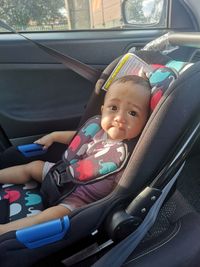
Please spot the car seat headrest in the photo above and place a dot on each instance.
(160, 78)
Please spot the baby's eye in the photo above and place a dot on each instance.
(133, 113)
(114, 108)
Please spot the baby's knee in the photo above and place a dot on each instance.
(34, 167)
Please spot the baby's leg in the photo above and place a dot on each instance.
(22, 173)
(46, 215)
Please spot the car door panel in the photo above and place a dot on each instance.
(41, 96)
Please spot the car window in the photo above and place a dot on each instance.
(65, 15)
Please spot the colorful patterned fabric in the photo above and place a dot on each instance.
(91, 155)
(24, 200)
(160, 80)
(162, 77)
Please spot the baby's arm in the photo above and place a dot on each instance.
(63, 137)
(46, 215)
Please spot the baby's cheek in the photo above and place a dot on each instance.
(134, 130)
(104, 125)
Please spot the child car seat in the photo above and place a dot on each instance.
(156, 148)
(29, 192)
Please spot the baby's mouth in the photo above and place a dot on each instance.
(119, 127)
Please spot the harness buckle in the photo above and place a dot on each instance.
(59, 172)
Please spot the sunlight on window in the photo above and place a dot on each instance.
(63, 15)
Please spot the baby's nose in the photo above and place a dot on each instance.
(120, 117)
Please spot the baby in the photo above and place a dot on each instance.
(124, 114)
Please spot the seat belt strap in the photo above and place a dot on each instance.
(86, 71)
(117, 255)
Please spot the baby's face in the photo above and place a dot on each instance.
(125, 110)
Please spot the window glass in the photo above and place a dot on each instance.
(62, 15)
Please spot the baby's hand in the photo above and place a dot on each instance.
(3, 229)
(46, 141)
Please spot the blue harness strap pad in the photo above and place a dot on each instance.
(45, 233)
(31, 150)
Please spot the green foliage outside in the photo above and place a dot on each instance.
(26, 14)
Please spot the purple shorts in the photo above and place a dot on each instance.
(89, 193)
(84, 195)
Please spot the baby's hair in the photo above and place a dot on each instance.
(135, 80)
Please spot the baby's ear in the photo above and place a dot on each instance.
(101, 108)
